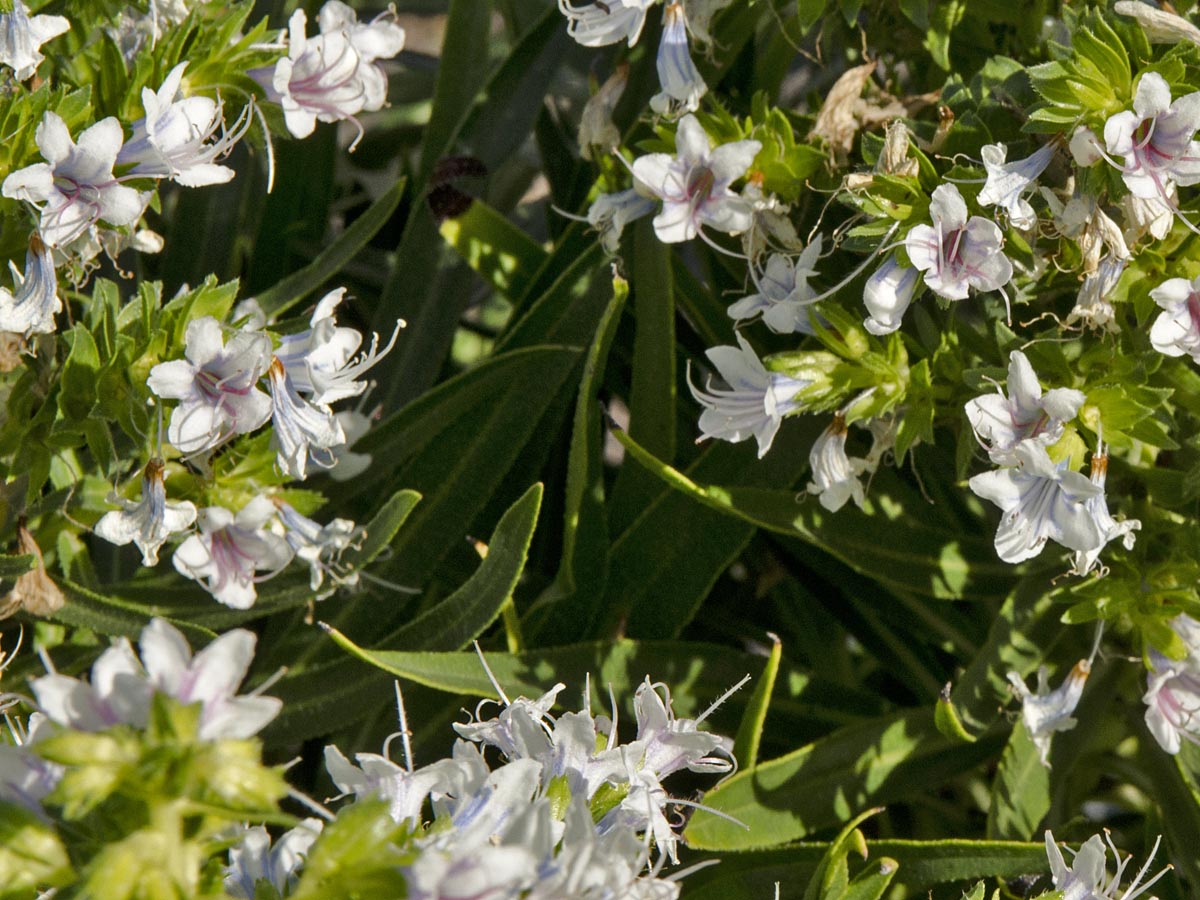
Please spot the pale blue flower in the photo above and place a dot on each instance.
(835, 475)
(229, 551)
(784, 298)
(1040, 501)
(216, 386)
(958, 252)
(1006, 182)
(887, 295)
(753, 404)
(181, 138)
(682, 84)
(1155, 139)
(75, 186)
(150, 521)
(253, 859)
(21, 38)
(31, 310)
(694, 184)
(1049, 711)
(1002, 423)
(305, 432)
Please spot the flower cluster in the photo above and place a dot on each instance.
(569, 811)
(121, 691)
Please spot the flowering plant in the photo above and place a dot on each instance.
(391, 328)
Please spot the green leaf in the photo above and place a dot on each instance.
(468, 29)
(922, 865)
(833, 871)
(583, 568)
(698, 674)
(930, 560)
(749, 734)
(652, 393)
(12, 566)
(498, 250)
(382, 528)
(112, 615)
(465, 614)
(664, 564)
(457, 445)
(1022, 633)
(77, 389)
(1020, 790)
(357, 855)
(285, 294)
(825, 782)
(32, 856)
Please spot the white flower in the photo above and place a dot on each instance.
(1172, 701)
(75, 185)
(835, 475)
(610, 213)
(405, 791)
(216, 386)
(682, 84)
(694, 184)
(1082, 220)
(22, 35)
(347, 464)
(210, 678)
(1092, 306)
(596, 126)
(670, 744)
(1006, 182)
(26, 778)
(121, 686)
(1152, 216)
(304, 432)
(117, 694)
(181, 138)
(381, 38)
(753, 405)
(957, 253)
(1085, 147)
(783, 296)
(31, 310)
(321, 362)
(1176, 331)
(254, 859)
(887, 294)
(321, 546)
(1110, 528)
(1001, 423)
(229, 550)
(334, 75)
(1040, 502)
(1161, 27)
(519, 731)
(1049, 711)
(1087, 879)
(598, 24)
(150, 521)
(1155, 139)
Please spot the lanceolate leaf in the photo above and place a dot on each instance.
(889, 540)
(921, 865)
(579, 584)
(291, 290)
(465, 614)
(822, 783)
(1020, 790)
(749, 735)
